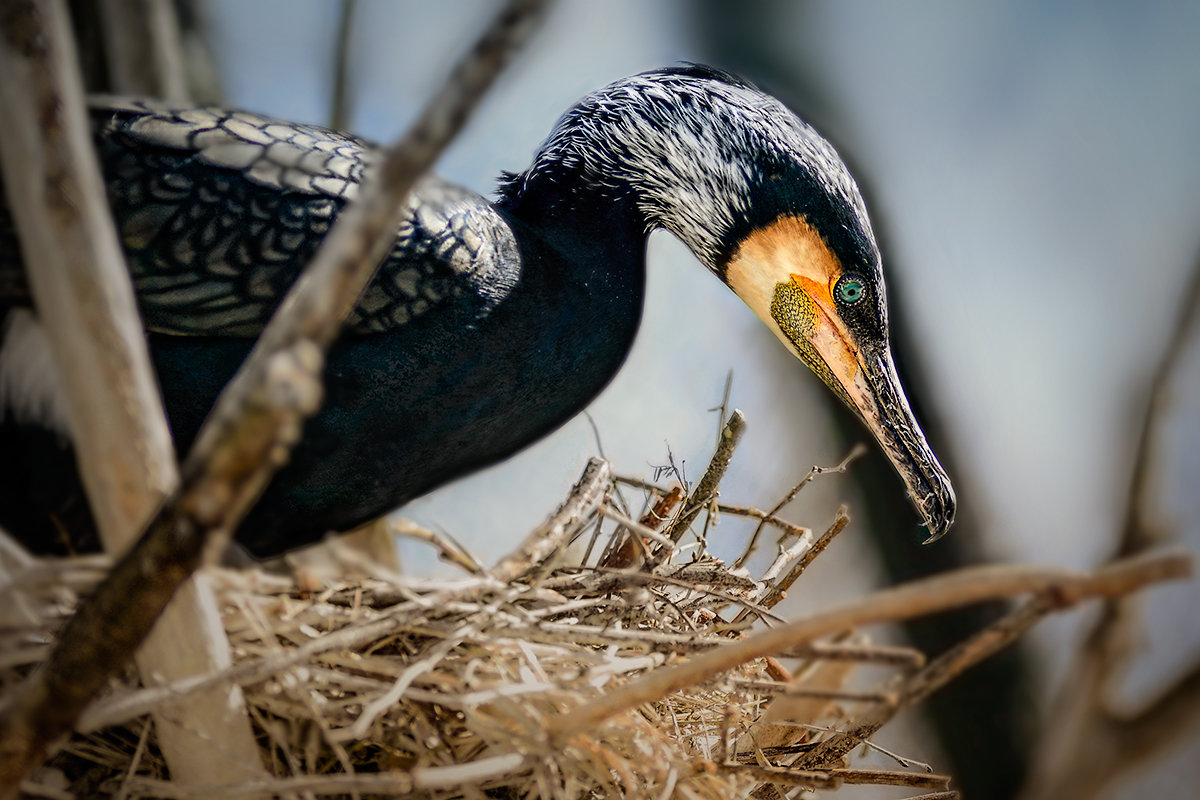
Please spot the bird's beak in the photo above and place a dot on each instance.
(800, 308)
(879, 400)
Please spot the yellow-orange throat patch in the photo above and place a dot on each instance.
(786, 250)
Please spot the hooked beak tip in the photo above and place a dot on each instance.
(935, 534)
(940, 519)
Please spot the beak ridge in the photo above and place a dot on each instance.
(885, 409)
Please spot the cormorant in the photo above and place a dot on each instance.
(488, 325)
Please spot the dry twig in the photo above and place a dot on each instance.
(585, 498)
(855, 452)
(706, 490)
(778, 589)
(942, 593)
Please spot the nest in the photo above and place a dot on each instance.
(376, 684)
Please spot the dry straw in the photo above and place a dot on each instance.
(609, 656)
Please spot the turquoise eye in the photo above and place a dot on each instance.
(850, 290)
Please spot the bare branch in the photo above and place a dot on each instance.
(257, 419)
(855, 452)
(957, 589)
(938, 673)
(1086, 745)
(891, 777)
(339, 104)
(779, 590)
(890, 655)
(1140, 532)
(706, 489)
(143, 49)
(585, 498)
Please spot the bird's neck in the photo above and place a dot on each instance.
(593, 236)
(652, 161)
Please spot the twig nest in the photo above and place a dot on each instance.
(387, 685)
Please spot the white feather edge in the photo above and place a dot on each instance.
(31, 388)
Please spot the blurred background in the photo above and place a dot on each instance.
(1033, 174)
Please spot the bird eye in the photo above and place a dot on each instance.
(850, 290)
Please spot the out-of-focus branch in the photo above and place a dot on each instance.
(1141, 531)
(143, 49)
(256, 421)
(85, 303)
(77, 274)
(339, 103)
(1086, 744)
(921, 684)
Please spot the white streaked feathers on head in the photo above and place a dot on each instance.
(692, 170)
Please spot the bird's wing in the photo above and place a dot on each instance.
(218, 211)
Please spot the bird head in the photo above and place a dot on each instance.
(767, 205)
(832, 314)
(801, 254)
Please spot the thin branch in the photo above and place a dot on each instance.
(891, 777)
(706, 489)
(886, 655)
(585, 498)
(1139, 532)
(938, 673)
(626, 549)
(448, 549)
(142, 48)
(784, 776)
(779, 590)
(957, 589)
(784, 527)
(256, 421)
(855, 452)
(339, 104)
(793, 690)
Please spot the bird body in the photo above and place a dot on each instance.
(488, 325)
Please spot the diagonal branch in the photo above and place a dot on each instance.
(85, 304)
(256, 420)
(954, 590)
(706, 488)
(918, 686)
(586, 496)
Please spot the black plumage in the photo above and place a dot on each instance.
(487, 326)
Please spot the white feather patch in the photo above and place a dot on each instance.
(31, 388)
